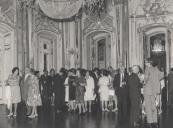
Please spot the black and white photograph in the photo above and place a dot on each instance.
(86, 63)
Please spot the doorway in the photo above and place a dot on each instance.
(101, 44)
(158, 53)
(98, 50)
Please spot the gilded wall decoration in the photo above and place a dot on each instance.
(7, 12)
(44, 23)
(150, 7)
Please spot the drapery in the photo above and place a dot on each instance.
(60, 9)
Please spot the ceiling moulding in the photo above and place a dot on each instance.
(60, 9)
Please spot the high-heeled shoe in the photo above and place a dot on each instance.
(31, 116)
(9, 115)
(106, 110)
(103, 110)
(36, 115)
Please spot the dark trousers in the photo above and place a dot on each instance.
(46, 101)
(134, 109)
(170, 99)
(59, 104)
(122, 108)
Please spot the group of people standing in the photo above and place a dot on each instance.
(24, 89)
(79, 90)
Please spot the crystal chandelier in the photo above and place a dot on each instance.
(158, 46)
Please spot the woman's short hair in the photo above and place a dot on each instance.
(83, 72)
(52, 70)
(36, 73)
(14, 69)
(105, 72)
(155, 63)
(72, 70)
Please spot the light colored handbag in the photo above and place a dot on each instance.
(111, 92)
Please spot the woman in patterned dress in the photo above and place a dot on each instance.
(34, 97)
(80, 90)
(13, 82)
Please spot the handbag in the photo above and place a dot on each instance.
(111, 92)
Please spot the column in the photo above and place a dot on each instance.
(30, 54)
(171, 52)
(114, 45)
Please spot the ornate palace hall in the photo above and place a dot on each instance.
(86, 63)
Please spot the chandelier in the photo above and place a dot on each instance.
(158, 46)
(65, 9)
(60, 9)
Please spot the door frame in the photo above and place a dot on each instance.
(151, 30)
(57, 49)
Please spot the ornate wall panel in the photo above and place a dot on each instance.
(42, 24)
(145, 16)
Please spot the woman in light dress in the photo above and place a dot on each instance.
(15, 98)
(89, 91)
(104, 90)
(34, 97)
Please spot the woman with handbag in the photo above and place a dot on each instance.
(15, 96)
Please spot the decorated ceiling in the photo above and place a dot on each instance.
(5, 4)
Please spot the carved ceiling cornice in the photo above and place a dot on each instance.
(91, 24)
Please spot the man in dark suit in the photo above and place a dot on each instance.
(45, 90)
(95, 76)
(121, 90)
(134, 94)
(170, 88)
